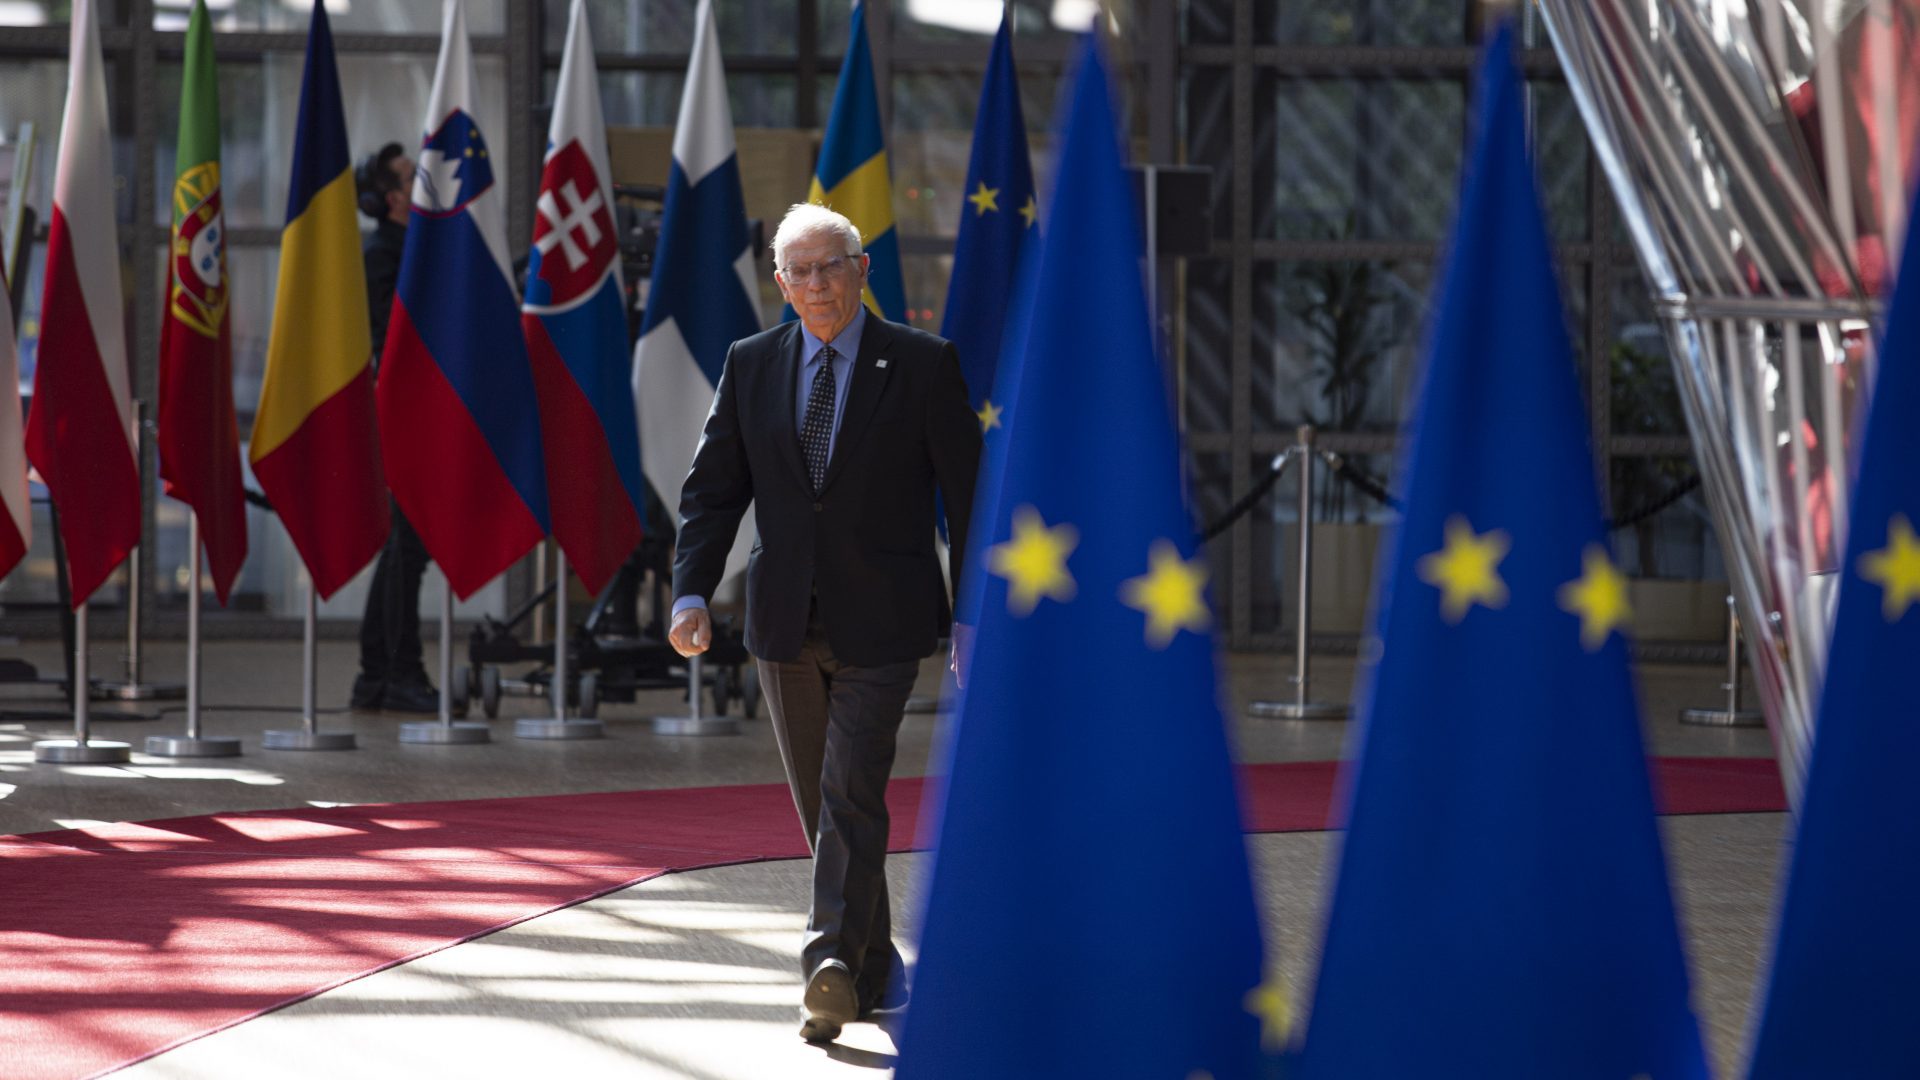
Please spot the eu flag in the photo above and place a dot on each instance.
(1090, 910)
(1841, 999)
(998, 215)
(1502, 908)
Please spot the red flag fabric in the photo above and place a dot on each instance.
(80, 427)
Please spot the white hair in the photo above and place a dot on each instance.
(811, 219)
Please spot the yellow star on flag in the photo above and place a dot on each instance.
(983, 200)
(1034, 562)
(1171, 592)
(1895, 568)
(1464, 569)
(1268, 1001)
(1031, 212)
(1599, 597)
(989, 415)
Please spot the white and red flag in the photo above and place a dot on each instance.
(80, 427)
(574, 317)
(16, 524)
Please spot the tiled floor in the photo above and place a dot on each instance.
(693, 975)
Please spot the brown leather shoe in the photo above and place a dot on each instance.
(830, 1003)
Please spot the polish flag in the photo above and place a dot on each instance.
(80, 427)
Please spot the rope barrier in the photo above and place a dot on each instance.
(1353, 475)
(1247, 502)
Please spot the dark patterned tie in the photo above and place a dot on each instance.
(816, 433)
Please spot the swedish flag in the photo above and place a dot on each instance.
(852, 177)
(1502, 908)
(999, 214)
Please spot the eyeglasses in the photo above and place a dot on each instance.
(825, 270)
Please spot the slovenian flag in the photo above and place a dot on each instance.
(315, 450)
(80, 429)
(705, 296)
(576, 328)
(459, 414)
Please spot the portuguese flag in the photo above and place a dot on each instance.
(199, 436)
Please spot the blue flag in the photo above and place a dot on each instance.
(1842, 998)
(1090, 911)
(999, 213)
(1502, 908)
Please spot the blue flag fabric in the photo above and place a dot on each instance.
(1502, 907)
(1090, 910)
(999, 213)
(1841, 998)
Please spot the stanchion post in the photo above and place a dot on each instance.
(309, 736)
(559, 725)
(445, 732)
(695, 722)
(1300, 708)
(81, 749)
(1733, 715)
(193, 743)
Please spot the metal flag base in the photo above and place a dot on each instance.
(432, 731)
(1723, 718)
(695, 725)
(75, 752)
(136, 691)
(309, 740)
(554, 727)
(1298, 710)
(189, 746)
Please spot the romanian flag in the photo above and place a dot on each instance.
(199, 437)
(852, 176)
(80, 429)
(314, 445)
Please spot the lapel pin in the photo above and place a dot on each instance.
(880, 363)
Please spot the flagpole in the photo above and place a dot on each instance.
(193, 743)
(309, 736)
(445, 731)
(132, 689)
(80, 750)
(560, 725)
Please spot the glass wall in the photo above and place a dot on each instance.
(1333, 129)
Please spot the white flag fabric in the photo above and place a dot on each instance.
(704, 295)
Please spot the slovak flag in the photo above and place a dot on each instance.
(80, 428)
(459, 417)
(576, 329)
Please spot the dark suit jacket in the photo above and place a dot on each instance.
(866, 542)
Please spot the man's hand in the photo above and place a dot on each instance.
(692, 632)
(962, 654)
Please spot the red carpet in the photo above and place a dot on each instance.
(122, 941)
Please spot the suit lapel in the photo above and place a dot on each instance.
(786, 430)
(869, 382)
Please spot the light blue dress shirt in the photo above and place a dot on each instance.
(846, 347)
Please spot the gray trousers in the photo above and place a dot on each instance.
(836, 724)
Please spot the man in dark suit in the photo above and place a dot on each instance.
(391, 673)
(841, 429)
